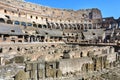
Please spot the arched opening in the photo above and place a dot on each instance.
(57, 26)
(23, 24)
(29, 24)
(85, 26)
(39, 26)
(1, 50)
(34, 25)
(70, 26)
(5, 11)
(81, 54)
(2, 20)
(66, 27)
(8, 17)
(18, 49)
(20, 41)
(44, 26)
(10, 49)
(62, 26)
(78, 26)
(48, 24)
(13, 41)
(17, 23)
(9, 22)
(90, 26)
(53, 25)
(74, 26)
(82, 27)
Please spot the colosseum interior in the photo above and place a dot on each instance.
(44, 43)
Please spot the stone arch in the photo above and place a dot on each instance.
(23, 24)
(32, 38)
(8, 17)
(10, 48)
(1, 50)
(53, 25)
(48, 24)
(70, 26)
(39, 26)
(17, 23)
(34, 25)
(18, 49)
(78, 27)
(29, 24)
(85, 25)
(86, 66)
(9, 22)
(81, 54)
(44, 26)
(62, 26)
(74, 26)
(90, 26)
(88, 54)
(82, 27)
(58, 27)
(2, 20)
(66, 26)
(94, 26)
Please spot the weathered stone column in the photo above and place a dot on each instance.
(41, 70)
(23, 39)
(28, 38)
(31, 39)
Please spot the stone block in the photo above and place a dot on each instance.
(21, 75)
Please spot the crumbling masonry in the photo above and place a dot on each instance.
(44, 43)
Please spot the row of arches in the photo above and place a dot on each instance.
(6, 21)
(51, 25)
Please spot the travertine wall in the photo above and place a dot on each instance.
(28, 12)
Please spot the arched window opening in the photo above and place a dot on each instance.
(58, 27)
(31, 17)
(5, 11)
(36, 17)
(81, 54)
(29, 24)
(17, 23)
(23, 24)
(90, 26)
(1, 50)
(85, 26)
(9, 22)
(39, 26)
(53, 25)
(78, 26)
(62, 26)
(34, 25)
(70, 26)
(48, 24)
(82, 27)
(10, 49)
(66, 27)
(2, 20)
(44, 26)
(8, 17)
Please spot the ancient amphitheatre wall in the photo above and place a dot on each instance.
(30, 12)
